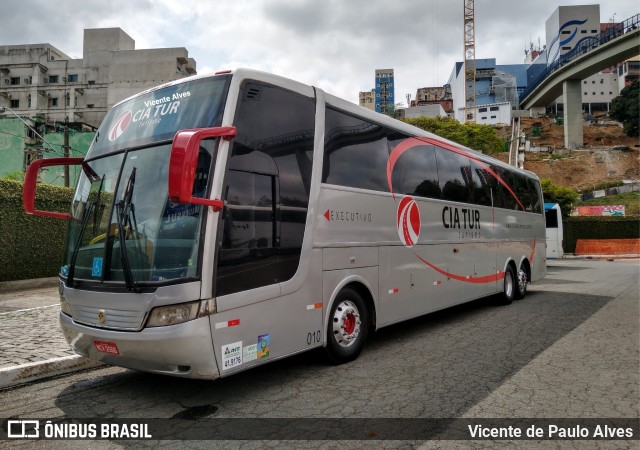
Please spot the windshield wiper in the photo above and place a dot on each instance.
(91, 206)
(97, 205)
(126, 215)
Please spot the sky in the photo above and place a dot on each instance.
(334, 44)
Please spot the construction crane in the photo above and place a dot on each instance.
(469, 62)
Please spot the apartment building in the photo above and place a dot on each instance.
(45, 91)
(41, 80)
(367, 99)
(385, 100)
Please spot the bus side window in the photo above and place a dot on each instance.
(454, 175)
(523, 192)
(416, 171)
(356, 152)
(481, 181)
(505, 198)
(536, 200)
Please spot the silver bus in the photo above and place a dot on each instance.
(224, 221)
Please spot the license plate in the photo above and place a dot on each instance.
(106, 347)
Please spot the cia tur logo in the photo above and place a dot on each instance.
(120, 125)
(408, 221)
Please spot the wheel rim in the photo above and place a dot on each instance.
(346, 323)
(522, 281)
(508, 284)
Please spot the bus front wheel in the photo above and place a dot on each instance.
(509, 287)
(348, 326)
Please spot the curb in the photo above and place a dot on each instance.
(597, 256)
(6, 286)
(26, 373)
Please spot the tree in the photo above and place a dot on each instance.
(478, 137)
(565, 197)
(625, 108)
(391, 109)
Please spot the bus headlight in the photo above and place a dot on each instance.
(173, 314)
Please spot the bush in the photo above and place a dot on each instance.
(599, 227)
(606, 185)
(482, 138)
(31, 246)
(18, 175)
(565, 197)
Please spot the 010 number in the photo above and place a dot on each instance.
(313, 337)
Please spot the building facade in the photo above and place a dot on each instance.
(497, 91)
(628, 72)
(440, 95)
(44, 89)
(568, 26)
(39, 79)
(385, 100)
(367, 99)
(426, 110)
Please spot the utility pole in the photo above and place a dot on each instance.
(65, 149)
(469, 62)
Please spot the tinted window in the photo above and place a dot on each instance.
(416, 171)
(249, 233)
(356, 152)
(503, 196)
(523, 192)
(481, 184)
(454, 174)
(159, 114)
(267, 187)
(536, 198)
(551, 216)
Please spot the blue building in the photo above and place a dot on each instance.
(384, 91)
(497, 90)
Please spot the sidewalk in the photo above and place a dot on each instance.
(32, 346)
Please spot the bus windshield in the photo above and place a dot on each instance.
(123, 227)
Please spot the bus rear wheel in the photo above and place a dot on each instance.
(521, 287)
(348, 326)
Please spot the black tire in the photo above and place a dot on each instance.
(509, 286)
(348, 326)
(521, 284)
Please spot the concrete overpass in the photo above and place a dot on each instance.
(565, 77)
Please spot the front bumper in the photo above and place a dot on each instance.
(183, 350)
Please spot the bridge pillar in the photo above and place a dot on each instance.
(572, 99)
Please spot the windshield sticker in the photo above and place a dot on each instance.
(120, 125)
(157, 115)
(150, 114)
(264, 342)
(96, 270)
(231, 355)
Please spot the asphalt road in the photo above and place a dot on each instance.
(570, 349)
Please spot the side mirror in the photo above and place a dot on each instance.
(183, 162)
(31, 180)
